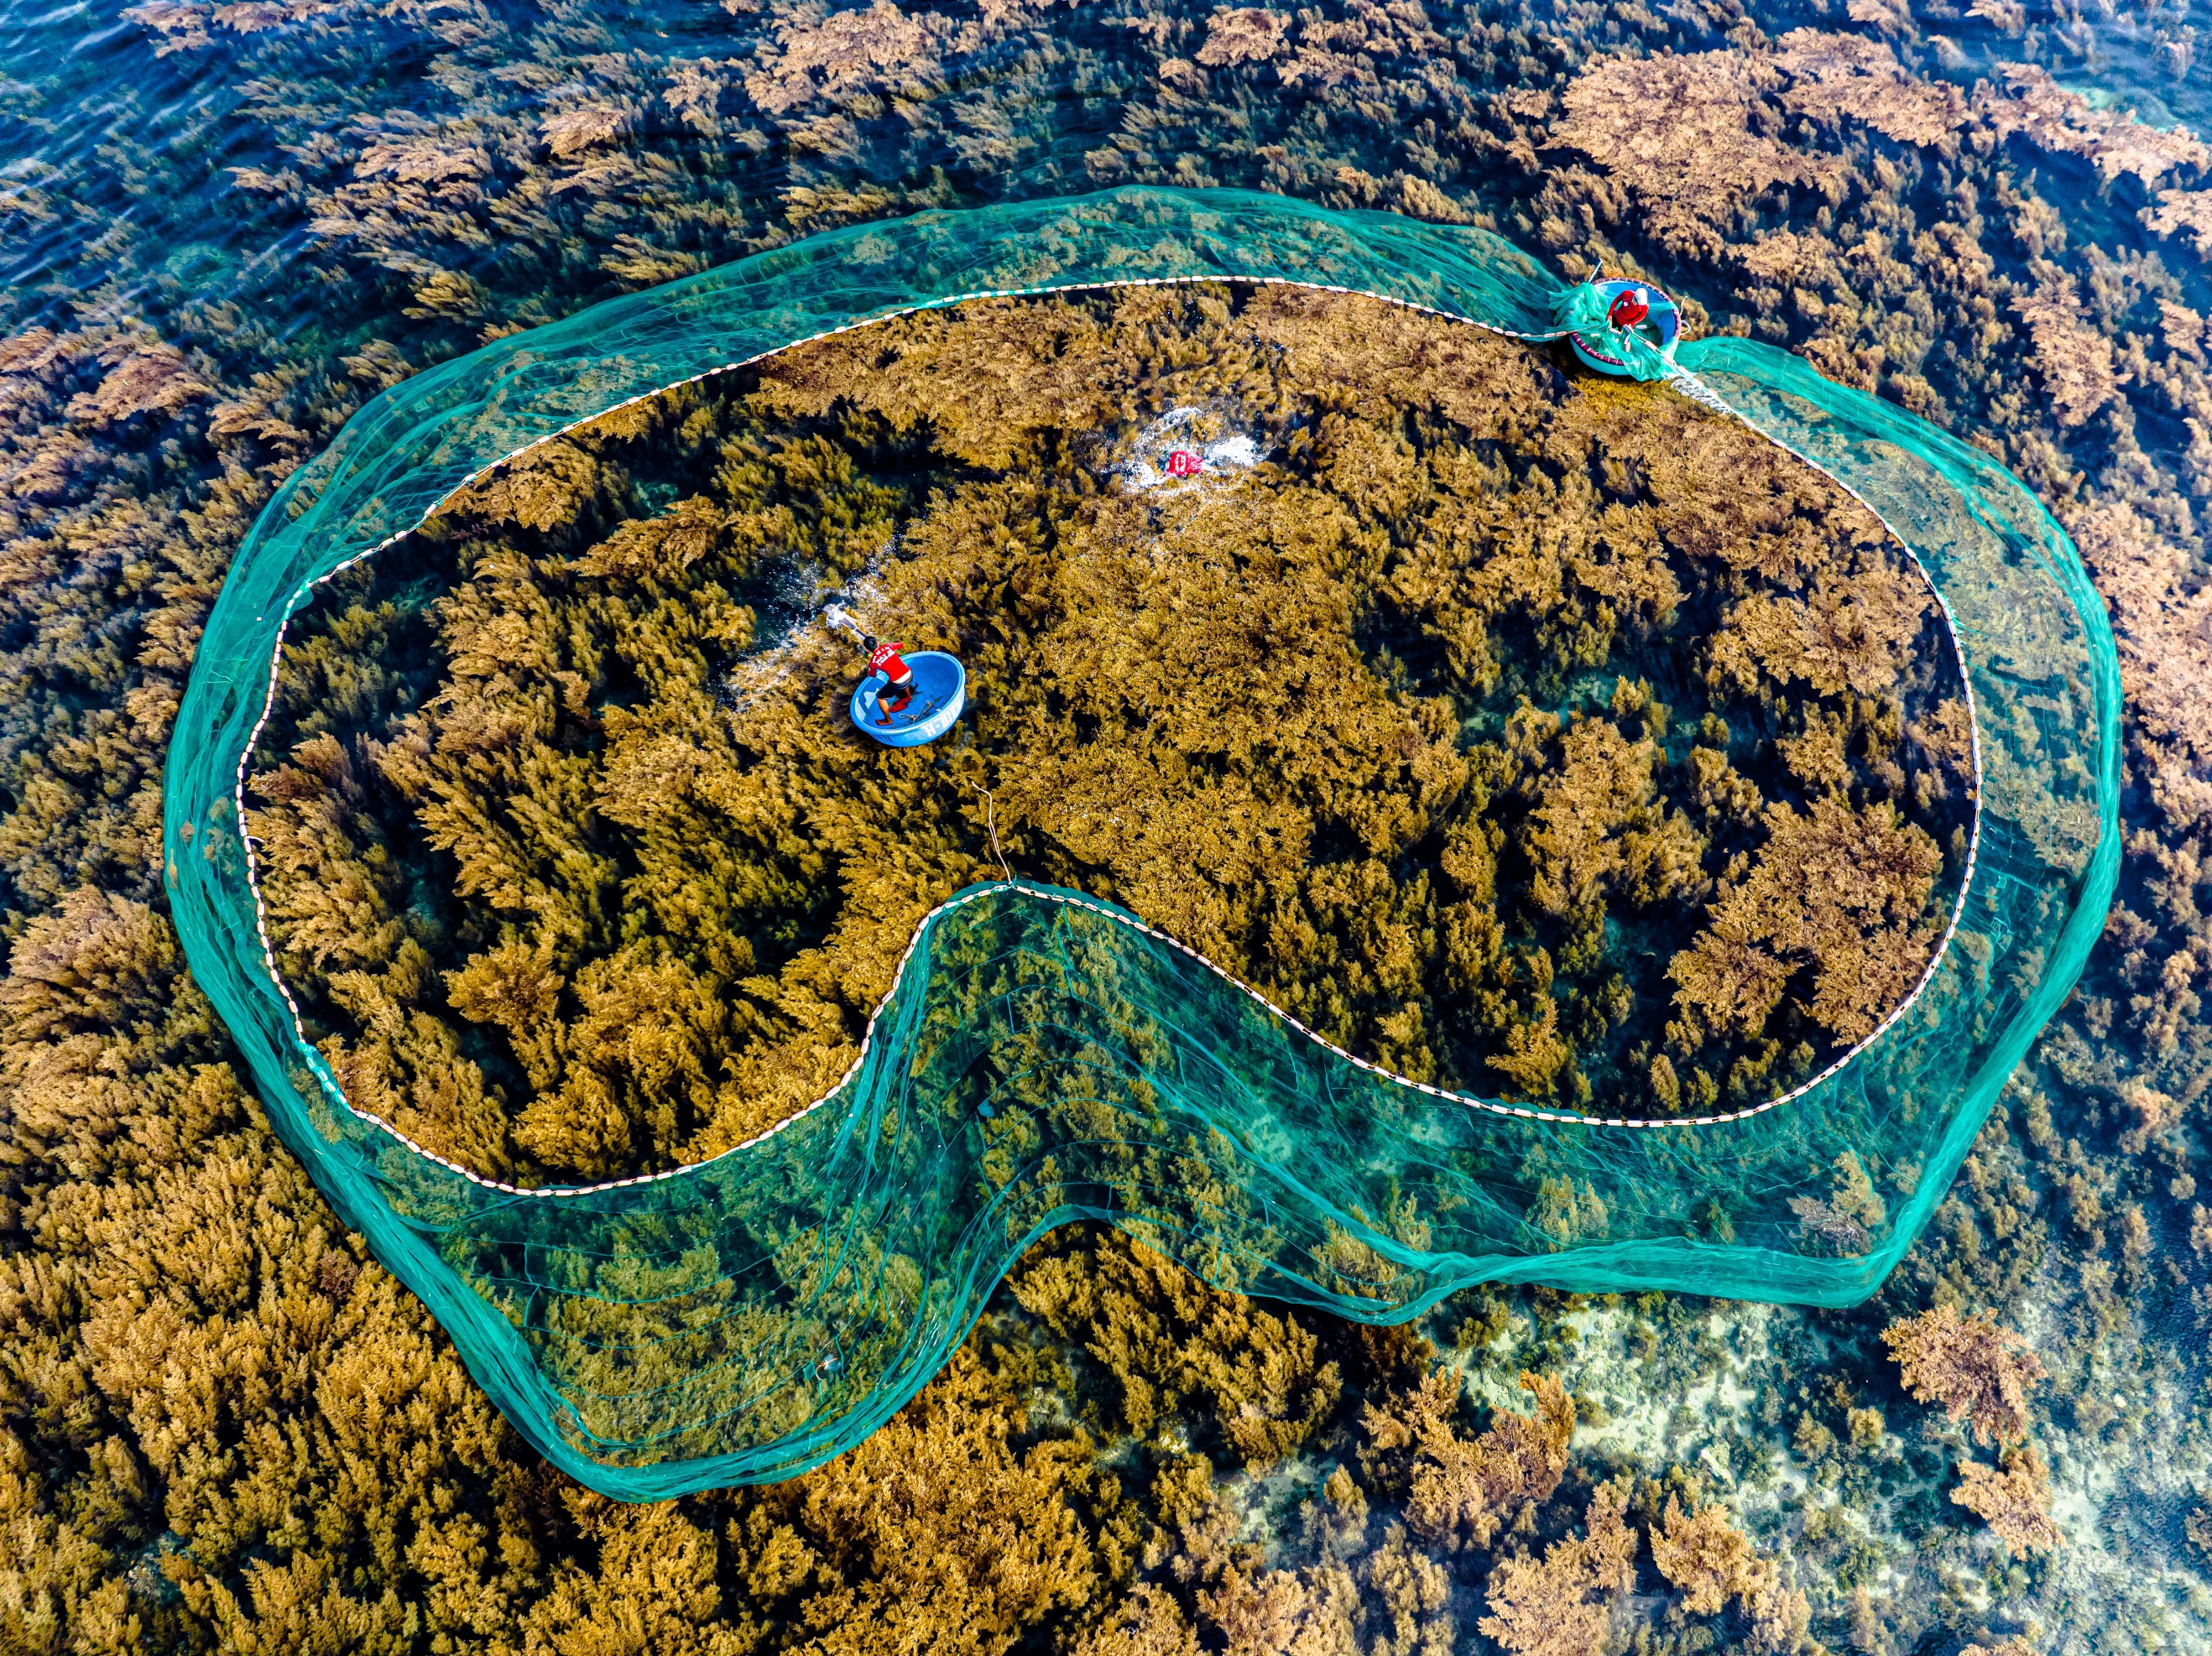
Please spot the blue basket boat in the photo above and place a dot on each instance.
(1608, 349)
(940, 690)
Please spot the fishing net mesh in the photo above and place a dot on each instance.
(1045, 1058)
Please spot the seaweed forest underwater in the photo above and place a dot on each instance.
(226, 1427)
(1457, 813)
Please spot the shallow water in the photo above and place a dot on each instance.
(348, 193)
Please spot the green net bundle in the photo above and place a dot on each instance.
(1044, 1057)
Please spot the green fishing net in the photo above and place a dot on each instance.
(1045, 1058)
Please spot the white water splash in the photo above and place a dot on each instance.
(1223, 450)
(790, 627)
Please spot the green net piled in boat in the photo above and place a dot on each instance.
(1044, 1057)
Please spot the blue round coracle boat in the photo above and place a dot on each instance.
(1627, 328)
(940, 690)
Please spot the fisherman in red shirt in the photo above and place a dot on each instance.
(885, 658)
(1630, 307)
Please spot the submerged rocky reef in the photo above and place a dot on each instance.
(226, 226)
